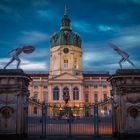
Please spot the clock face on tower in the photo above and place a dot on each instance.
(65, 50)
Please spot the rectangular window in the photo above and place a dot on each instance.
(86, 98)
(87, 78)
(35, 87)
(96, 97)
(104, 86)
(36, 84)
(105, 96)
(44, 86)
(35, 96)
(95, 86)
(86, 86)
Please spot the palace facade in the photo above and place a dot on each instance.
(66, 75)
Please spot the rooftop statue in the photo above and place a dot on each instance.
(16, 52)
(124, 55)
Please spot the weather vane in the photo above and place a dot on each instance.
(124, 55)
(16, 52)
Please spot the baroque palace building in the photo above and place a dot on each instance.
(66, 76)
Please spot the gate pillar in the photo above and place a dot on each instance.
(126, 101)
(13, 102)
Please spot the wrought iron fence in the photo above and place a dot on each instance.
(45, 120)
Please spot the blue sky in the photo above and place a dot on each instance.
(24, 22)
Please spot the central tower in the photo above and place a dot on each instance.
(65, 51)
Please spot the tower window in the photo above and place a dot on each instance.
(75, 63)
(65, 64)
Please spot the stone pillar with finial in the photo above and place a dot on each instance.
(13, 102)
(126, 102)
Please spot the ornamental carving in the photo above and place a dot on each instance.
(133, 98)
(6, 112)
(55, 37)
(77, 38)
(133, 112)
(66, 37)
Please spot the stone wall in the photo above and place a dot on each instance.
(13, 101)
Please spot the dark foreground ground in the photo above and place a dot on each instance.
(73, 138)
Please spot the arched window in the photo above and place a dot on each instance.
(56, 93)
(65, 92)
(35, 97)
(75, 93)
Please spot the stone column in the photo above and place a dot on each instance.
(126, 95)
(13, 102)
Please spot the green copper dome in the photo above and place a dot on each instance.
(65, 36)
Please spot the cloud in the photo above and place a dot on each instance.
(82, 26)
(46, 14)
(104, 28)
(25, 64)
(33, 37)
(38, 53)
(34, 66)
(4, 60)
(128, 37)
(37, 3)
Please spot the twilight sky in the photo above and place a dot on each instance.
(32, 22)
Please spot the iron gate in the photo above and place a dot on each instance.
(46, 120)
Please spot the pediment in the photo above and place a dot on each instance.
(66, 76)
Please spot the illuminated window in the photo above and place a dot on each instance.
(75, 93)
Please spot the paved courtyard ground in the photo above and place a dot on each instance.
(81, 138)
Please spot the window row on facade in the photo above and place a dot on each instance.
(56, 92)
